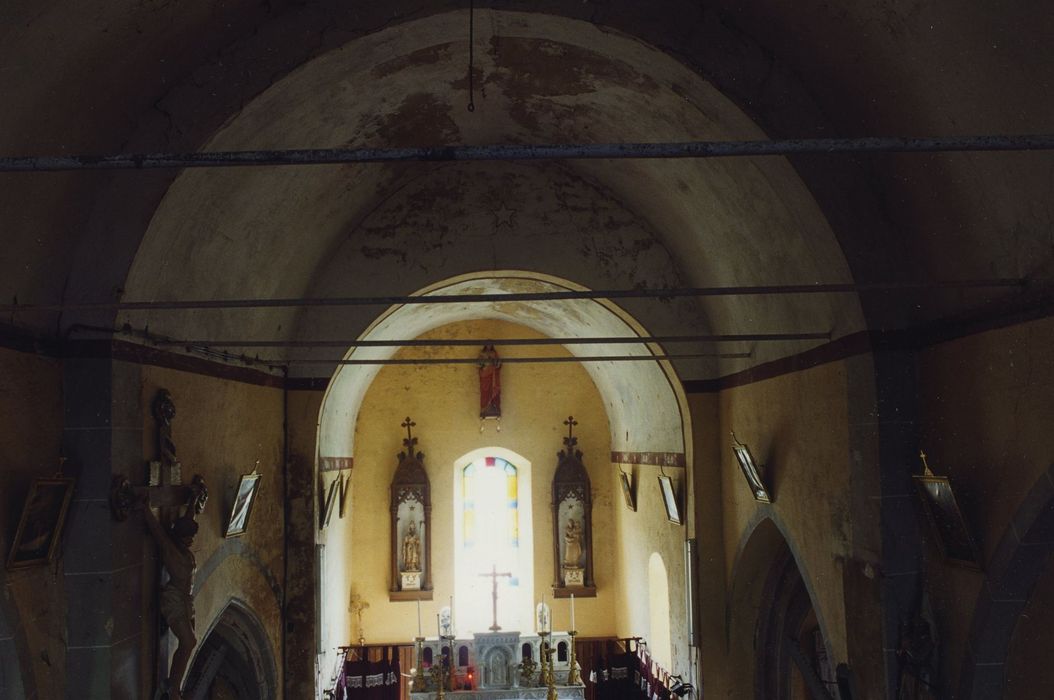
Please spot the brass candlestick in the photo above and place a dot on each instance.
(550, 676)
(438, 677)
(572, 675)
(420, 680)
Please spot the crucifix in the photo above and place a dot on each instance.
(165, 490)
(494, 575)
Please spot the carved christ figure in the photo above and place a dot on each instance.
(489, 383)
(412, 549)
(177, 596)
(572, 543)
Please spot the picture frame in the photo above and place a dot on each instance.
(40, 526)
(751, 472)
(244, 499)
(669, 500)
(627, 491)
(946, 517)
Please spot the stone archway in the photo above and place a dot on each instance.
(776, 634)
(10, 659)
(1017, 564)
(234, 656)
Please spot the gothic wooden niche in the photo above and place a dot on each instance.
(572, 522)
(411, 515)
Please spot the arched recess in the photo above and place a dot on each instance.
(777, 638)
(646, 404)
(1016, 566)
(659, 612)
(234, 653)
(523, 604)
(10, 659)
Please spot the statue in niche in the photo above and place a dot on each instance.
(412, 549)
(572, 543)
(489, 383)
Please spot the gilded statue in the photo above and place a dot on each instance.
(572, 543)
(412, 549)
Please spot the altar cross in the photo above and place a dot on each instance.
(494, 575)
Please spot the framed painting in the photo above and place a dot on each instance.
(238, 523)
(669, 499)
(942, 510)
(750, 470)
(40, 527)
(627, 490)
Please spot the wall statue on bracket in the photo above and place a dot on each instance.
(572, 521)
(489, 386)
(411, 513)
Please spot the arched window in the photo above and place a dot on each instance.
(561, 652)
(527, 652)
(490, 528)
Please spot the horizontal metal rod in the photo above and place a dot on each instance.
(512, 360)
(690, 149)
(476, 342)
(516, 296)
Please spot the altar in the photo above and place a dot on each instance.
(497, 666)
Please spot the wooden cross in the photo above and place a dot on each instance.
(164, 487)
(493, 575)
(570, 423)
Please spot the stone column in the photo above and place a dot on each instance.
(103, 560)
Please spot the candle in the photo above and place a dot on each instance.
(453, 629)
(572, 612)
(439, 630)
(418, 617)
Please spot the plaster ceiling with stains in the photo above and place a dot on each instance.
(157, 76)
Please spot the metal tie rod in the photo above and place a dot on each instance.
(689, 149)
(510, 360)
(475, 342)
(515, 296)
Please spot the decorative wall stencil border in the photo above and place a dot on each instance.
(333, 464)
(655, 459)
(933, 333)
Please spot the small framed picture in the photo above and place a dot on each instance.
(244, 499)
(627, 490)
(40, 527)
(750, 471)
(669, 499)
(942, 510)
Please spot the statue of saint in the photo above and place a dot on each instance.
(489, 383)
(412, 549)
(572, 543)
(177, 596)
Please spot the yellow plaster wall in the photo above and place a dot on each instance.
(222, 428)
(797, 424)
(30, 441)
(444, 402)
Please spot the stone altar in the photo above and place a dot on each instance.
(487, 667)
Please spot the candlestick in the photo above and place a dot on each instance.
(418, 617)
(572, 611)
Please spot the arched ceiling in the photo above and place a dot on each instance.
(123, 76)
(327, 231)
